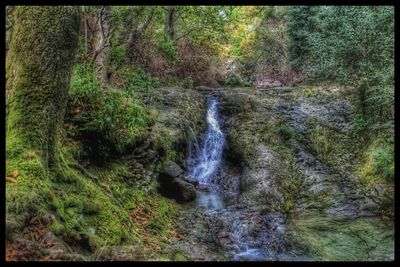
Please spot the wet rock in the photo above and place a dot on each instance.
(191, 181)
(172, 170)
(183, 190)
(176, 188)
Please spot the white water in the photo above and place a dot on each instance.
(203, 166)
(205, 163)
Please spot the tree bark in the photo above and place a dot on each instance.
(170, 19)
(101, 55)
(139, 30)
(38, 72)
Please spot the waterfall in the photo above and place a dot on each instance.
(207, 158)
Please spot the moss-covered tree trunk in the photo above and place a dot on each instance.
(39, 65)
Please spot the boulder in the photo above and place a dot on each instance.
(173, 184)
(183, 190)
(172, 170)
(191, 181)
(178, 189)
(169, 172)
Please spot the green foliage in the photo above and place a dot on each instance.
(299, 27)
(115, 118)
(291, 186)
(83, 83)
(310, 93)
(121, 117)
(117, 56)
(343, 44)
(138, 80)
(187, 82)
(285, 132)
(379, 161)
(168, 47)
(236, 80)
(353, 46)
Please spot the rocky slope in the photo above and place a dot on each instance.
(296, 169)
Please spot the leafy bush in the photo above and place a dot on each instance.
(383, 162)
(236, 80)
(285, 131)
(117, 56)
(187, 82)
(168, 47)
(137, 79)
(380, 158)
(108, 121)
(83, 82)
(122, 119)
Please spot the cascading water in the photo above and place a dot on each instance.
(205, 166)
(208, 157)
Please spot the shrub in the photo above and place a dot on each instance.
(83, 82)
(138, 79)
(107, 121)
(285, 131)
(168, 47)
(187, 82)
(236, 80)
(380, 158)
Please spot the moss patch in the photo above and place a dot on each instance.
(327, 238)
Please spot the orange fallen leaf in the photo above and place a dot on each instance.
(15, 173)
(10, 179)
(46, 258)
(181, 237)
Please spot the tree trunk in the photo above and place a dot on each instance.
(39, 66)
(139, 30)
(103, 47)
(169, 26)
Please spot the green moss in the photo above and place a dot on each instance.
(285, 131)
(91, 211)
(38, 83)
(333, 147)
(328, 238)
(378, 163)
(57, 228)
(176, 255)
(28, 196)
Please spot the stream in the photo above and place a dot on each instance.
(218, 223)
(239, 237)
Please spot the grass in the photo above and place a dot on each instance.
(378, 162)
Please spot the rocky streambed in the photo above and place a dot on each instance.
(275, 194)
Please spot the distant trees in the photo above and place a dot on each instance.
(300, 25)
(350, 45)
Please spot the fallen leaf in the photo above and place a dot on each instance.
(181, 237)
(46, 258)
(15, 173)
(10, 179)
